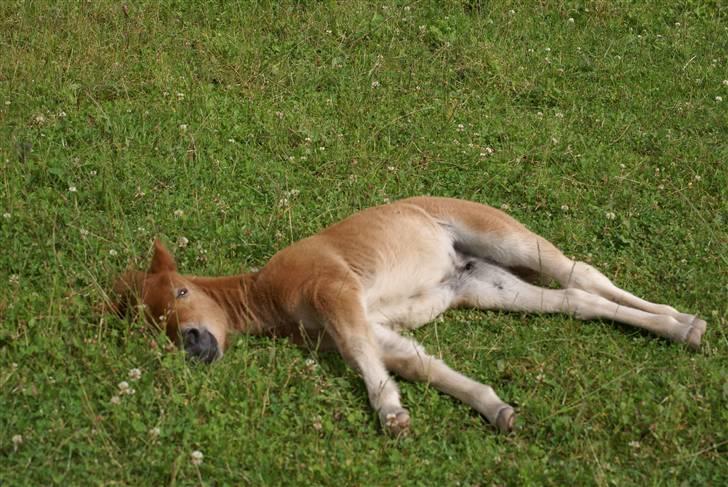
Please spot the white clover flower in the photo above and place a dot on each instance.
(155, 432)
(231, 140)
(307, 140)
(135, 374)
(196, 457)
(725, 82)
(72, 189)
(512, 12)
(17, 441)
(7, 102)
(14, 279)
(375, 84)
(182, 242)
(180, 96)
(505, 207)
(322, 148)
(559, 115)
(123, 386)
(610, 215)
(92, 173)
(113, 253)
(310, 365)
(461, 127)
(61, 114)
(115, 400)
(40, 119)
(83, 232)
(317, 423)
(718, 98)
(564, 207)
(571, 20)
(7, 215)
(183, 127)
(179, 213)
(634, 444)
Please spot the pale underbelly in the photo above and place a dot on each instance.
(409, 312)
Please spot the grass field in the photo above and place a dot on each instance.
(231, 129)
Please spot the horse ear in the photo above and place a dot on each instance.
(162, 261)
(128, 289)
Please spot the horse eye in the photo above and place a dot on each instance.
(182, 292)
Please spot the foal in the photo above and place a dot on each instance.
(387, 268)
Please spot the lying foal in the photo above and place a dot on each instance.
(384, 269)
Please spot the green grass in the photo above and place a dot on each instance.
(245, 126)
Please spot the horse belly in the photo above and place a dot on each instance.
(410, 312)
(416, 288)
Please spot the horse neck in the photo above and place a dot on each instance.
(237, 296)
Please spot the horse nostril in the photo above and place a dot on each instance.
(200, 344)
(191, 336)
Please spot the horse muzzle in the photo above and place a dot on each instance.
(200, 344)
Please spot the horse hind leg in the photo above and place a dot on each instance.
(488, 286)
(513, 246)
